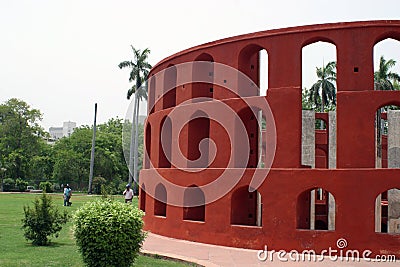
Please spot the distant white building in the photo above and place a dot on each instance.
(59, 132)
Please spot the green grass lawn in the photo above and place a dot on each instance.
(16, 251)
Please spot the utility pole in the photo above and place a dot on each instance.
(92, 154)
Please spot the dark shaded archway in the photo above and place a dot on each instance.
(198, 130)
(142, 197)
(165, 140)
(203, 71)
(169, 97)
(160, 201)
(194, 194)
(244, 207)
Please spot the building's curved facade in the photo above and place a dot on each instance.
(282, 211)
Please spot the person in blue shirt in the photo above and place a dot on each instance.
(67, 195)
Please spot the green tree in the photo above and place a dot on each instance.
(323, 92)
(72, 156)
(139, 72)
(384, 79)
(43, 220)
(20, 137)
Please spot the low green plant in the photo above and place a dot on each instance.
(108, 233)
(43, 220)
(46, 187)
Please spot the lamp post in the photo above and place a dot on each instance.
(3, 171)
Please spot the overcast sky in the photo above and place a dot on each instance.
(61, 56)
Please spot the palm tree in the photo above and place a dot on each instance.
(139, 72)
(324, 89)
(384, 79)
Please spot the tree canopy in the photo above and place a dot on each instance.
(26, 155)
(21, 142)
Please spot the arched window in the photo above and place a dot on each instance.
(253, 62)
(316, 210)
(152, 94)
(387, 212)
(142, 197)
(160, 201)
(386, 51)
(315, 55)
(169, 92)
(387, 135)
(203, 77)
(250, 118)
(198, 145)
(246, 207)
(147, 159)
(194, 204)
(165, 140)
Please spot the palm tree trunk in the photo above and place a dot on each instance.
(136, 155)
(92, 151)
(132, 145)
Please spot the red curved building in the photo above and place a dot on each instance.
(296, 205)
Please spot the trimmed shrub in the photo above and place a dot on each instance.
(46, 187)
(8, 184)
(43, 220)
(108, 233)
(21, 184)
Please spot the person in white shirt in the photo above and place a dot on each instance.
(128, 193)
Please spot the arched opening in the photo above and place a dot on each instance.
(316, 59)
(160, 200)
(165, 140)
(148, 146)
(385, 52)
(251, 118)
(198, 137)
(246, 207)
(387, 123)
(387, 212)
(194, 204)
(169, 92)
(203, 72)
(321, 142)
(142, 197)
(253, 62)
(316, 210)
(152, 93)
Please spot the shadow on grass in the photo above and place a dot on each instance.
(49, 245)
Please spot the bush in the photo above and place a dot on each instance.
(43, 220)
(108, 233)
(46, 187)
(97, 183)
(21, 185)
(8, 184)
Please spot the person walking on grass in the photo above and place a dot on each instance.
(67, 195)
(128, 193)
